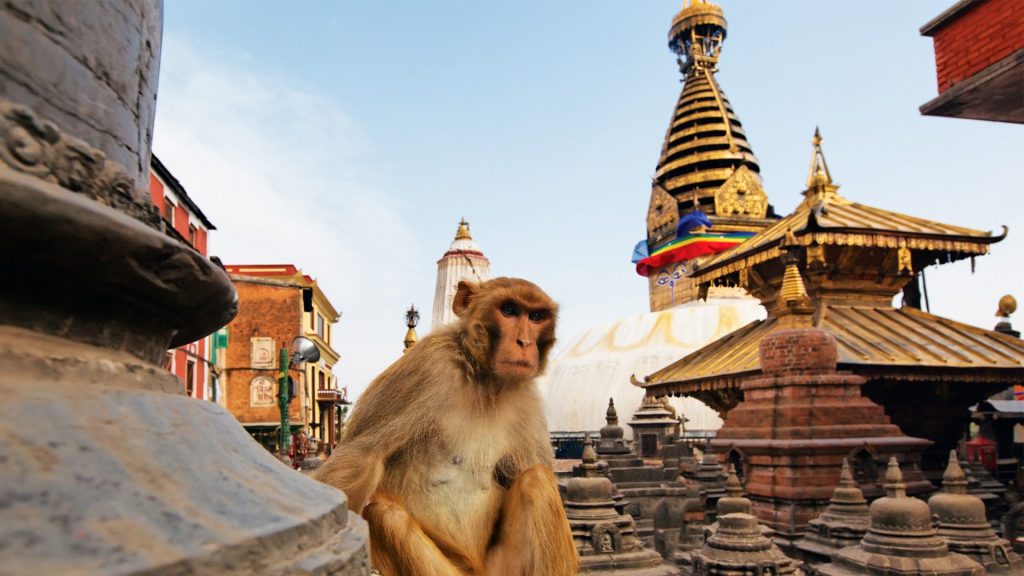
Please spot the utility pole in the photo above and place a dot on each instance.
(284, 436)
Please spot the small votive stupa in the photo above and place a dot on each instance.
(962, 522)
(737, 544)
(844, 523)
(605, 538)
(900, 540)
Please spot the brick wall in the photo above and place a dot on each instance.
(976, 38)
(263, 311)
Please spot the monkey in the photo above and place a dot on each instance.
(447, 454)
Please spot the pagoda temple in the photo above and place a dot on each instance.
(836, 264)
(707, 193)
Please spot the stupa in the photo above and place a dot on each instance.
(844, 523)
(654, 425)
(706, 165)
(737, 543)
(900, 540)
(96, 476)
(605, 538)
(962, 522)
(707, 192)
(836, 265)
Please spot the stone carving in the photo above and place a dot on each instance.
(37, 147)
(261, 353)
(261, 392)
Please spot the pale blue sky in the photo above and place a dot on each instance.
(370, 128)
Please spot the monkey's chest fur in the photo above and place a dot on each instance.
(454, 480)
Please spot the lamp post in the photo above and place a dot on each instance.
(285, 434)
(305, 351)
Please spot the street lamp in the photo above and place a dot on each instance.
(304, 350)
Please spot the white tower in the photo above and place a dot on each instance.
(462, 261)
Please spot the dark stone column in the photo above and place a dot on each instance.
(105, 465)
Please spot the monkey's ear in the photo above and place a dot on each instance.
(463, 296)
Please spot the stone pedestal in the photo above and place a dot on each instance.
(106, 466)
(795, 426)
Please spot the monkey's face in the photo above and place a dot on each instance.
(521, 328)
(508, 327)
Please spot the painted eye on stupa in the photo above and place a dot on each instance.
(662, 280)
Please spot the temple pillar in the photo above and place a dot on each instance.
(799, 419)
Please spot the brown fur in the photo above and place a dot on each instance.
(448, 448)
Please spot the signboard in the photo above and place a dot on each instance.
(262, 352)
(262, 392)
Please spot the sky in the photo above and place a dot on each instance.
(349, 138)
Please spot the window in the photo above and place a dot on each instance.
(190, 377)
(320, 325)
(169, 211)
(192, 235)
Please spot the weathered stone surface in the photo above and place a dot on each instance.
(91, 67)
(962, 522)
(900, 540)
(844, 523)
(107, 467)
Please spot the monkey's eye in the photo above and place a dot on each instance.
(538, 315)
(509, 309)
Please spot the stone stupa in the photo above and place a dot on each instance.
(962, 522)
(844, 523)
(900, 540)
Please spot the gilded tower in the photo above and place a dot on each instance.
(707, 194)
(463, 261)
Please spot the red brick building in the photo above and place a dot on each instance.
(183, 218)
(277, 303)
(979, 61)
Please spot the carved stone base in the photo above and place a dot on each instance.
(105, 471)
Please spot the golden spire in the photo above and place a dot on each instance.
(820, 186)
(463, 232)
(412, 318)
(793, 290)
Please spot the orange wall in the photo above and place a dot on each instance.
(263, 311)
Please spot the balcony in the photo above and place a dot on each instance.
(331, 395)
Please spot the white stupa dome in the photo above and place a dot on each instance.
(598, 364)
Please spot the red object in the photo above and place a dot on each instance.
(975, 37)
(982, 450)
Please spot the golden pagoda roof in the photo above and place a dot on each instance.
(872, 341)
(825, 217)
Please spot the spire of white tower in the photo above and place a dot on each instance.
(463, 261)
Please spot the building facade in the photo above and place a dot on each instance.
(276, 304)
(183, 219)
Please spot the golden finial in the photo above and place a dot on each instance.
(1007, 306)
(412, 318)
(793, 289)
(818, 174)
(463, 232)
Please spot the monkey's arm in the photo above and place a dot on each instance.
(533, 536)
(355, 468)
